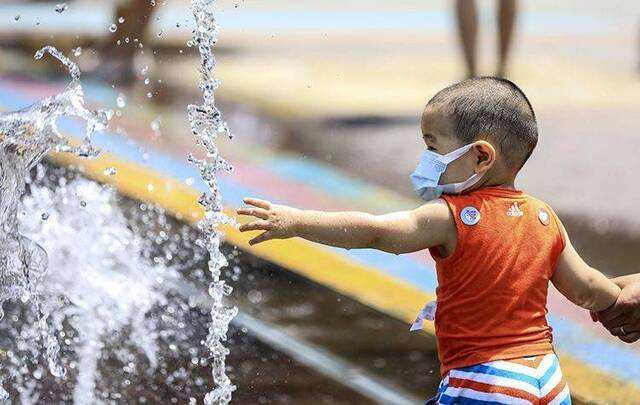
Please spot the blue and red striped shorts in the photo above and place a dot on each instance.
(526, 381)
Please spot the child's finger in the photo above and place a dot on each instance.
(256, 226)
(256, 202)
(261, 238)
(594, 316)
(254, 212)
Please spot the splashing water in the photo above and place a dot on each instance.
(108, 285)
(206, 123)
(26, 136)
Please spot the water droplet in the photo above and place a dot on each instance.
(121, 101)
(126, 40)
(177, 25)
(146, 80)
(44, 216)
(110, 171)
(144, 70)
(150, 187)
(83, 203)
(113, 28)
(61, 7)
(155, 126)
(77, 52)
(16, 18)
(121, 20)
(160, 33)
(57, 370)
(149, 95)
(255, 297)
(153, 3)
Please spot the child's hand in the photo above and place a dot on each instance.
(277, 221)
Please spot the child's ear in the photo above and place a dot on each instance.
(485, 155)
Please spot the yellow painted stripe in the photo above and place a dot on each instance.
(368, 285)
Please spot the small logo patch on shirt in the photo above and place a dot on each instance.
(544, 216)
(470, 215)
(514, 210)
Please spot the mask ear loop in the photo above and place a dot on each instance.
(453, 155)
(456, 188)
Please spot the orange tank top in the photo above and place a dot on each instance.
(492, 290)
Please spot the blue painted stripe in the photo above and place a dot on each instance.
(408, 268)
(319, 176)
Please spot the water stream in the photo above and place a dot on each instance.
(206, 124)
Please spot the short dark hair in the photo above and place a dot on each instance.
(491, 108)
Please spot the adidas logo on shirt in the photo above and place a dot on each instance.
(514, 211)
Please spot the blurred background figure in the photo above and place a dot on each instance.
(118, 61)
(467, 16)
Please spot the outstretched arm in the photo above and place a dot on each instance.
(582, 284)
(427, 226)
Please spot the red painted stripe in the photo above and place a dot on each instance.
(32, 87)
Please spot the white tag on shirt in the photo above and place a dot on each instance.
(428, 313)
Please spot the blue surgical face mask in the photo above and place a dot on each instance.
(426, 177)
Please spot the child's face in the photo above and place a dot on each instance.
(437, 133)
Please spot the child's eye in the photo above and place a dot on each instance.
(432, 149)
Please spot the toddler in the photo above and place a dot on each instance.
(495, 247)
